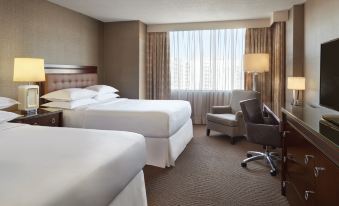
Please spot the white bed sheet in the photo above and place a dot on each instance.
(151, 118)
(66, 166)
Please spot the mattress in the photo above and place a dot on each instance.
(66, 166)
(151, 118)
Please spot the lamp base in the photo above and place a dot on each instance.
(296, 101)
(31, 112)
(28, 96)
(254, 81)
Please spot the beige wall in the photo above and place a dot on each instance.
(37, 28)
(142, 60)
(294, 45)
(123, 58)
(321, 25)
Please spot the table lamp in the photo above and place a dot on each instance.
(28, 70)
(296, 84)
(256, 63)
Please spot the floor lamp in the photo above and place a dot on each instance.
(256, 63)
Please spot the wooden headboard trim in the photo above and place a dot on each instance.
(69, 69)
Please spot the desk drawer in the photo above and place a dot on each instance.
(326, 175)
(299, 166)
(294, 197)
(310, 174)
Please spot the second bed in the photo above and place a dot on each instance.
(166, 124)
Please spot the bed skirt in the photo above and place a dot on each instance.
(133, 194)
(162, 152)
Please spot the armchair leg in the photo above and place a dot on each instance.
(208, 131)
(232, 140)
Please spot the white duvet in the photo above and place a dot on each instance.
(151, 118)
(65, 166)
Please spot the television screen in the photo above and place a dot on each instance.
(329, 75)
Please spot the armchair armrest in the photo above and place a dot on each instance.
(221, 109)
(238, 115)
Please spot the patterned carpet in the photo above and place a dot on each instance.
(208, 172)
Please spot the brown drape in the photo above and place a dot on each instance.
(278, 66)
(271, 84)
(157, 68)
(259, 40)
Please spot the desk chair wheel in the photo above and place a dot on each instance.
(273, 173)
(243, 164)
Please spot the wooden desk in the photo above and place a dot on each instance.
(310, 169)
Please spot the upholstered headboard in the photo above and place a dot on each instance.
(68, 76)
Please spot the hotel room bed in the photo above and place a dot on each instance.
(67, 166)
(166, 124)
(151, 118)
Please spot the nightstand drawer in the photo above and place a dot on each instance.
(49, 120)
(42, 118)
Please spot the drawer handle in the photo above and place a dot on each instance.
(307, 158)
(291, 157)
(317, 171)
(308, 193)
(53, 121)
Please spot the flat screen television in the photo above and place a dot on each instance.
(329, 74)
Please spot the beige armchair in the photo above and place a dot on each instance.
(228, 119)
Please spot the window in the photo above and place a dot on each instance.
(207, 59)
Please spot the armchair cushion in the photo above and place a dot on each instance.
(221, 109)
(223, 119)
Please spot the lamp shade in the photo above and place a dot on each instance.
(258, 62)
(296, 83)
(29, 70)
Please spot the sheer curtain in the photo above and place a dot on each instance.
(205, 66)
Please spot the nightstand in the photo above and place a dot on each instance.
(44, 117)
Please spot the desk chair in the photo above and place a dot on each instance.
(262, 127)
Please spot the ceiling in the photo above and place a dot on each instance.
(176, 11)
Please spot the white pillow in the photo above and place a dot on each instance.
(7, 116)
(69, 94)
(7, 102)
(108, 96)
(102, 89)
(71, 104)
